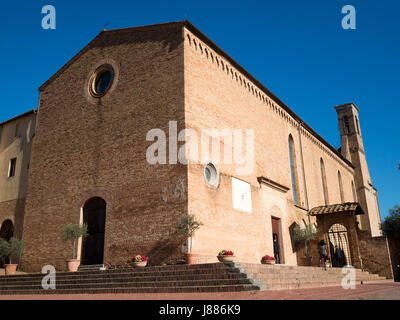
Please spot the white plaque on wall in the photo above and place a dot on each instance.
(241, 195)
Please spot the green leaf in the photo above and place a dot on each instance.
(73, 231)
(188, 225)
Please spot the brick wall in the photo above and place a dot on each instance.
(86, 147)
(375, 254)
(220, 96)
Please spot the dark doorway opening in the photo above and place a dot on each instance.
(6, 232)
(277, 241)
(94, 215)
(339, 245)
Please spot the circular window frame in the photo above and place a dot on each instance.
(95, 76)
(214, 180)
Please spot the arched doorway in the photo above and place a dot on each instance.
(94, 215)
(6, 232)
(339, 245)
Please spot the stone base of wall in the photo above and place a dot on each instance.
(375, 254)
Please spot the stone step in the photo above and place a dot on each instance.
(128, 274)
(277, 269)
(310, 284)
(136, 284)
(175, 269)
(278, 277)
(305, 278)
(183, 278)
(91, 267)
(288, 270)
(219, 288)
(117, 279)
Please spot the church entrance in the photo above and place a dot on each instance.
(6, 232)
(276, 238)
(339, 245)
(94, 215)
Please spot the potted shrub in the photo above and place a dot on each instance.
(226, 256)
(267, 260)
(73, 232)
(139, 261)
(188, 227)
(304, 235)
(7, 250)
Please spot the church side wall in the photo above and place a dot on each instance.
(217, 96)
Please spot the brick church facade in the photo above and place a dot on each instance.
(87, 162)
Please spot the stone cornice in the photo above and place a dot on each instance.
(272, 184)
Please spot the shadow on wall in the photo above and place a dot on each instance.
(168, 250)
(313, 252)
(291, 232)
(164, 251)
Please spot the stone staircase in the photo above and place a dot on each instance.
(281, 277)
(213, 277)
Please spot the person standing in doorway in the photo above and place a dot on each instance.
(276, 248)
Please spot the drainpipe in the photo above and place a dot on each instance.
(304, 173)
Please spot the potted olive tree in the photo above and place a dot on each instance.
(305, 235)
(188, 227)
(73, 232)
(7, 250)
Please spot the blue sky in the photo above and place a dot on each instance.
(297, 49)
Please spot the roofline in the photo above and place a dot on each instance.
(84, 49)
(346, 105)
(213, 45)
(33, 111)
(357, 211)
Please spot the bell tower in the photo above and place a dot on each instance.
(353, 150)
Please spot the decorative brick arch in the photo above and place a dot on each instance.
(7, 229)
(101, 193)
(344, 214)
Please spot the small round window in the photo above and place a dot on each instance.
(211, 175)
(101, 81)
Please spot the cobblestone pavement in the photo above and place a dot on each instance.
(375, 291)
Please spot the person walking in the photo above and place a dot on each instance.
(323, 252)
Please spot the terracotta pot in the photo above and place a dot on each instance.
(268, 261)
(140, 264)
(191, 258)
(226, 258)
(73, 265)
(10, 269)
